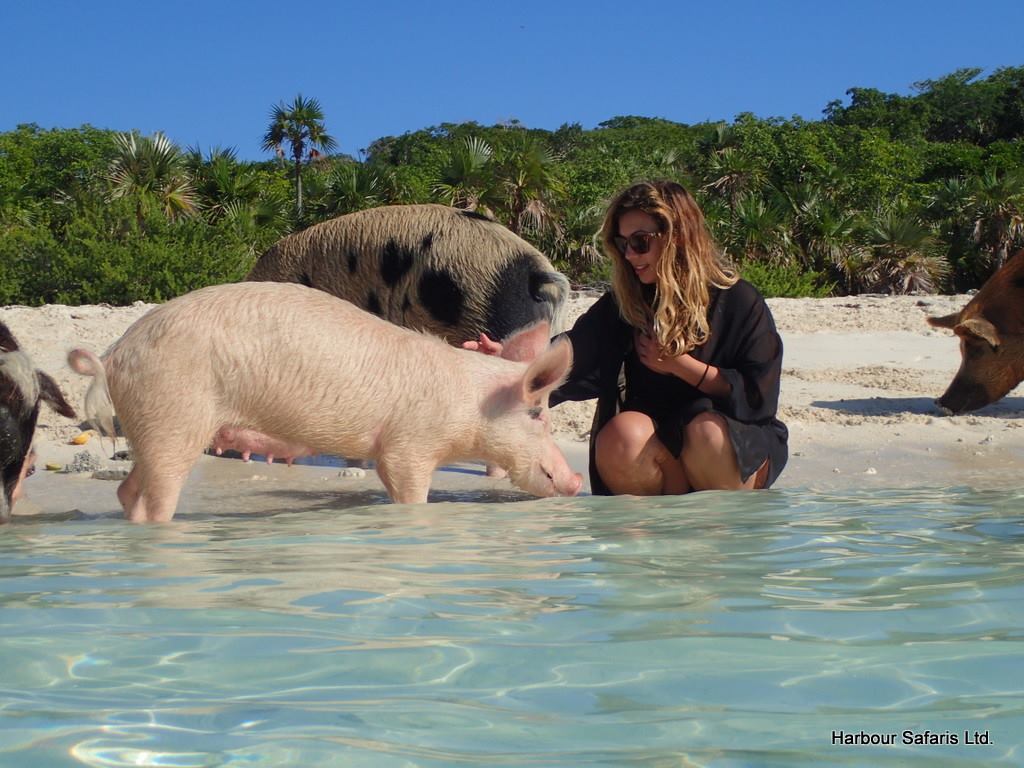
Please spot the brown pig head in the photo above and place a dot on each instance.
(991, 331)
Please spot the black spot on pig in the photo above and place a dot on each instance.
(427, 243)
(373, 304)
(441, 296)
(353, 262)
(306, 280)
(509, 309)
(395, 263)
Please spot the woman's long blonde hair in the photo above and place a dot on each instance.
(690, 265)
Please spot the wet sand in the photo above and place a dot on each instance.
(859, 378)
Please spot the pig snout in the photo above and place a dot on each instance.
(549, 475)
(963, 396)
(573, 486)
(977, 385)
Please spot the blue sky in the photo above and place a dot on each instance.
(207, 73)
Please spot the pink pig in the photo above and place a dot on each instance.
(280, 364)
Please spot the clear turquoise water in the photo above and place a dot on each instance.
(714, 629)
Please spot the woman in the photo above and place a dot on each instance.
(682, 355)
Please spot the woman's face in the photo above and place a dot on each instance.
(639, 230)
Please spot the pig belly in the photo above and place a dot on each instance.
(249, 441)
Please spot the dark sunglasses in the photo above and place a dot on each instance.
(640, 242)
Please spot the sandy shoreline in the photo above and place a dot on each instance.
(859, 378)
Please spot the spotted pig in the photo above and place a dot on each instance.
(453, 273)
(22, 388)
(991, 331)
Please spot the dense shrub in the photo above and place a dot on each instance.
(787, 281)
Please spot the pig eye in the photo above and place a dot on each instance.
(535, 412)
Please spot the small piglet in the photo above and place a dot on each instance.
(275, 364)
(22, 389)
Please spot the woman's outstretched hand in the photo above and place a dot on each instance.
(486, 345)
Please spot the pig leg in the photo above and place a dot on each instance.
(128, 491)
(162, 463)
(406, 482)
(27, 468)
(155, 495)
(152, 496)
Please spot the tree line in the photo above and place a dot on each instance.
(885, 193)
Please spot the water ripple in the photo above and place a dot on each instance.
(714, 629)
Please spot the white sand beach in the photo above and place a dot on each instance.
(859, 378)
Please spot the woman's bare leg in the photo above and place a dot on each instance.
(632, 460)
(709, 458)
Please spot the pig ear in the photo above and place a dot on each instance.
(981, 328)
(948, 321)
(524, 345)
(547, 372)
(50, 392)
(7, 341)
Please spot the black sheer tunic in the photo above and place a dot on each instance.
(743, 345)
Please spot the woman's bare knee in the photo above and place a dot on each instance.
(625, 436)
(708, 455)
(629, 455)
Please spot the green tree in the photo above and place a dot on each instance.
(467, 177)
(902, 255)
(530, 185)
(732, 172)
(297, 133)
(351, 186)
(221, 181)
(151, 169)
(758, 230)
(575, 248)
(998, 212)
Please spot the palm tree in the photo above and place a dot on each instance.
(353, 187)
(221, 181)
(467, 177)
(17, 209)
(575, 246)
(152, 168)
(529, 185)
(903, 255)
(731, 173)
(824, 231)
(757, 230)
(297, 132)
(998, 212)
(950, 208)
